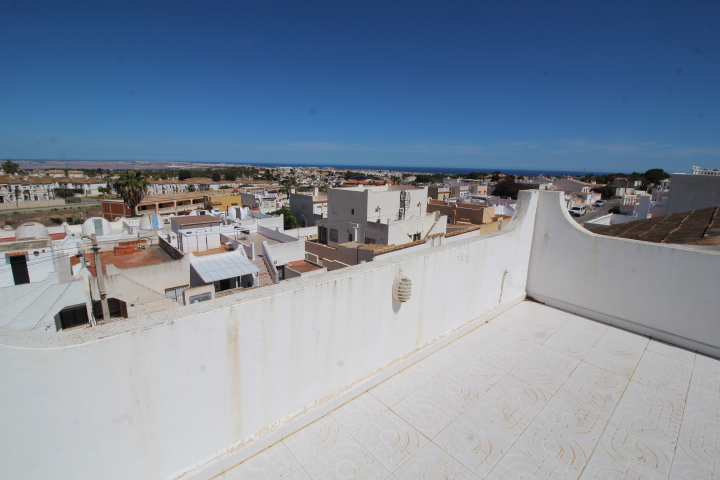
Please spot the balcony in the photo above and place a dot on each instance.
(199, 392)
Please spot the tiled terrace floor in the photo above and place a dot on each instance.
(536, 393)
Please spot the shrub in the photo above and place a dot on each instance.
(56, 220)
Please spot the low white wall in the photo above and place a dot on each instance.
(149, 396)
(614, 280)
(283, 253)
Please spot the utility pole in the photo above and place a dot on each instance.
(100, 280)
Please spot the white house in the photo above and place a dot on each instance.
(388, 215)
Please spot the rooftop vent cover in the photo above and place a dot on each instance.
(402, 288)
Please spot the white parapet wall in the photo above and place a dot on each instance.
(151, 396)
(668, 292)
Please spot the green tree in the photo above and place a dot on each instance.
(506, 188)
(132, 187)
(286, 186)
(289, 220)
(495, 176)
(656, 175)
(215, 176)
(184, 175)
(9, 167)
(606, 191)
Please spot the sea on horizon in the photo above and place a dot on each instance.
(140, 164)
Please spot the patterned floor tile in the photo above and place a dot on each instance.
(685, 469)
(358, 412)
(507, 319)
(586, 330)
(601, 467)
(626, 449)
(505, 351)
(346, 459)
(617, 352)
(700, 436)
(315, 438)
(472, 445)
(562, 437)
(446, 357)
(273, 462)
(516, 465)
(390, 439)
(707, 363)
(421, 372)
(465, 382)
(568, 343)
(705, 388)
(593, 389)
(425, 412)
(432, 463)
(479, 336)
(651, 412)
(508, 407)
(657, 368)
(394, 389)
(672, 352)
(537, 329)
(299, 474)
(545, 368)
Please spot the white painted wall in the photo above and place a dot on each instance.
(39, 266)
(283, 253)
(683, 311)
(148, 396)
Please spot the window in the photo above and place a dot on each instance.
(416, 237)
(350, 239)
(333, 235)
(369, 240)
(322, 235)
(73, 316)
(352, 211)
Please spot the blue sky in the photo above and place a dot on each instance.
(597, 85)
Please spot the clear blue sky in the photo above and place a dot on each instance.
(602, 85)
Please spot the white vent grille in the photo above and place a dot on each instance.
(402, 288)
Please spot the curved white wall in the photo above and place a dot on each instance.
(669, 292)
(149, 396)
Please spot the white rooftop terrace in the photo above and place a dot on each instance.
(536, 393)
(193, 393)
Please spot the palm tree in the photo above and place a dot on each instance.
(132, 187)
(286, 186)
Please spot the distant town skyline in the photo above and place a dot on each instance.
(608, 87)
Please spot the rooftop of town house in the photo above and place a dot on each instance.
(185, 220)
(330, 376)
(166, 197)
(126, 255)
(303, 266)
(534, 393)
(697, 227)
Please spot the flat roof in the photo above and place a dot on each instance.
(303, 266)
(195, 219)
(150, 255)
(534, 393)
